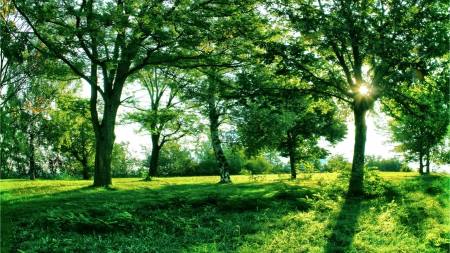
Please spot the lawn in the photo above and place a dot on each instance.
(401, 212)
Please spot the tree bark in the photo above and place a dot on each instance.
(103, 154)
(156, 148)
(357, 174)
(216, 143)
(84, 162)
(291, 150)
(420, 163)
(105, 136)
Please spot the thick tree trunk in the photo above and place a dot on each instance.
(32, 161)
(105, 136)
(217, 146)
(103, 154)
(357, 174)
(156, 148)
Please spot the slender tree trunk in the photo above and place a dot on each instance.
(428, 162)
(216, 143)
(420, 163)
(32, 161)
(357, 174)
(156, 148)
(291, 150)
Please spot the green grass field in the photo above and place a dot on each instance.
(401, 212)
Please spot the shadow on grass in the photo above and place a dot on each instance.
(344, 228)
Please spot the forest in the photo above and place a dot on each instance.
(240, 93)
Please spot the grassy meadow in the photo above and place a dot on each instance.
(401, 212)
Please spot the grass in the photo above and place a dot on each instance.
(401, 212)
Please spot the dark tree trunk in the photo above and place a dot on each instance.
(216, 143)
(105, 136)
(156, 148)
(291, 150)
(103, 153)
(86, 169)
(428, 162)
(420, 163)
(357, 174)
(32, 161)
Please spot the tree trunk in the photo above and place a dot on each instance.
(103, 155)
(291, 150)
(428, 162)
(84, 162)
(32, 161)
(357, 174)
(156, 148)
(217, 146)
(420, 163)
(105, 136)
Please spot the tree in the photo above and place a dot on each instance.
(381, 164)
(205, 94)
(166, 119)
(337, 163)
(360, 52)
(420, 128)
(176, 161)
(123, 162)
(290, 124)
(106, 42)
(70, 131)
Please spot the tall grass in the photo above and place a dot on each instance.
(400, 212)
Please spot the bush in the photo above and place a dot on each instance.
(405, 168)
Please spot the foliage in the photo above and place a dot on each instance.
(124, 163)
(361, 53)
(107, 43)
(337, 163)
(289, 124)
(175, 161)
(258, 165)
(69, 131)
(382, 164)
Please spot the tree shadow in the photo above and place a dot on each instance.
(344, 228)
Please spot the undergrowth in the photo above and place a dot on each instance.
(267, 214)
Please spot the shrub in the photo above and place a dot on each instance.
(405, 168)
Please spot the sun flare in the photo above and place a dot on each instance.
(364, 90)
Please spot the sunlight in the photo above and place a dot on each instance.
(364, 90)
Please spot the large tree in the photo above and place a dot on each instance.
(360, 52)
(106, 42)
